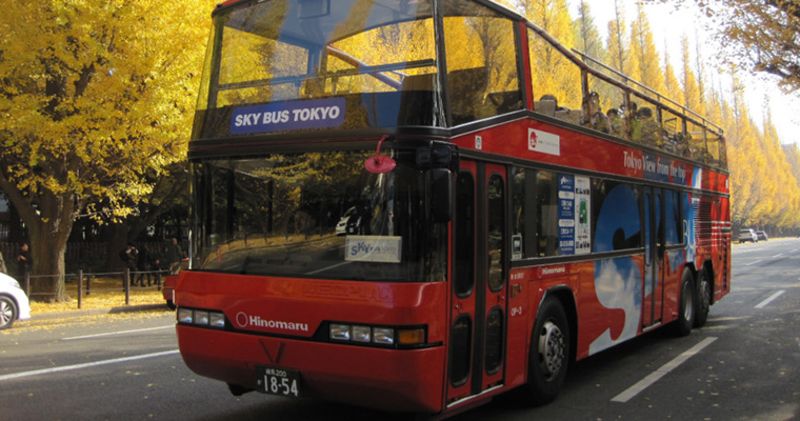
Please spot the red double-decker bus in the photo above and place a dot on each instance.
(418, 205)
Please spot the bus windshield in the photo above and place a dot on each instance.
(288, 65)
(319, 215)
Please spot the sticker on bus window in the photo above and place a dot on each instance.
(583, 212)
(373, 248)
(566, 214)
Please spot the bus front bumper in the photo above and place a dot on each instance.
(387, 379)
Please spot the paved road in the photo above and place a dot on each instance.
(746, 366)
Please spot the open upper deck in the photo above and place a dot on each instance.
(379, 66)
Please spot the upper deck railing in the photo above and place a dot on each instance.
(633, 110)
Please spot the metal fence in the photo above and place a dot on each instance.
(84, 282)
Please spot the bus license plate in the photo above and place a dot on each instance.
(278, 381)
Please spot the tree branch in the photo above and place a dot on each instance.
(23, 205)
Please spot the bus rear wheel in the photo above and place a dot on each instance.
(683, 326)
(703, 301)
(549, 353)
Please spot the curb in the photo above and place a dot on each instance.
(112, 310)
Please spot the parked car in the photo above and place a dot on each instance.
(748, 234)
(762, 236)
(14, 304)
(349, 223)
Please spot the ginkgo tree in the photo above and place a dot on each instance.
(95, 99)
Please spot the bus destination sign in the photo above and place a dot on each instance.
(288, 115)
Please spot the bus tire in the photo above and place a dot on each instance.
(686, 307)
(548, 358)
(703, 299)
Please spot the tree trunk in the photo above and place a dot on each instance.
(48, 266)
(48, 233)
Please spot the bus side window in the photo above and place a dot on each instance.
(547, 213)
(482, 62)
(524, 214)
(535, 213)
(616, 220)
(555, 76)
(465, 239)
(672, 221)
(496, 240)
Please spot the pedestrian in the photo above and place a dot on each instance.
(143, 266)
(129, 256)
(174, 255)
(24, 260)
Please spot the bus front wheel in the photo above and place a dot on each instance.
(549, 353)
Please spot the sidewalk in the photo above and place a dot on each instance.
(112, 310)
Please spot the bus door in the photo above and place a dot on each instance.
(480, 269)
(654, 262)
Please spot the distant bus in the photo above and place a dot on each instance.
(419, 205)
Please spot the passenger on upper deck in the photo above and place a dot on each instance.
(645, 129)
(615, 123)
(593, 117)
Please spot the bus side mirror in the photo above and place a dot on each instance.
(440, 182)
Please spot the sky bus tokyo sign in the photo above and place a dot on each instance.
(288, 115)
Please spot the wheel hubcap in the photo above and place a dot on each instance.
(5, 313)
(551, 350)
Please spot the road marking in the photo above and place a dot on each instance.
(769, 300)
(752, 263)
(122, 332)
(662, 371)
(777, 255)
(84, 365)
(728, 319)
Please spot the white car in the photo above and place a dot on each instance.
(348, 223)
(748, 234)
(14, 304)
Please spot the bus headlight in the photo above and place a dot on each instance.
(362, 333)
(202, 318)
(185, 315)
(340, 332)
(216, 320)
(383, 336)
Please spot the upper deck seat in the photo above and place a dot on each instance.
(416, 100)
(546, 107)
(467, 91)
